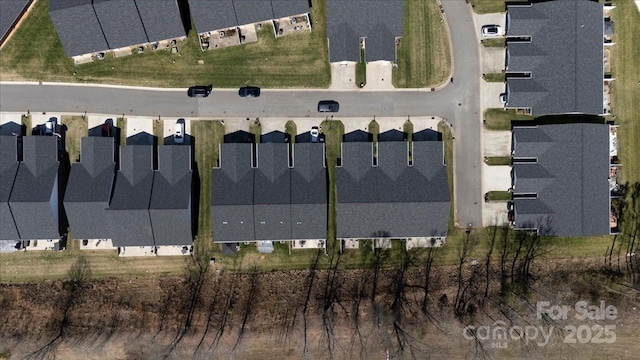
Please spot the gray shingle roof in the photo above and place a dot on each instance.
(8, 171)
(170, 207)
(129, 207)
(570, 179)
(392, 199)
(309, 192)
(120, 22)
(208, 15)
(10, 11)
(89, 187)
(161, 19)
(232, 182)
(349, 20)
(564, 57)
(251, 11)
(232, 194)
(272, 193)
(213, 15)
(34, 197)
(272, 201)
(77, 26)
(284, 8)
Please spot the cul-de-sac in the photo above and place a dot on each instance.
(319, 179)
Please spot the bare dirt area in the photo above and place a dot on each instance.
(402, 312)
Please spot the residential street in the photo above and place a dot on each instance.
(458, 103)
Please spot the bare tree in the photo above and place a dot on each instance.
(77, 275)
(250, 297)
(492, 234)
(310, 284)
(330, 299)
(465, 248)
(431, 253)
(196, 271)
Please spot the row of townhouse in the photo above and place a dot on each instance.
(565, 168)
(126, 205)
(280, 191)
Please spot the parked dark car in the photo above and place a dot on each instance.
(249, 91)
(328, 106)
(199, 91)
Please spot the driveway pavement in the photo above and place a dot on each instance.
(343, 76)
(379, 75)
(489, 19)
(497, 143)
(493, 59)
(491, 94)
(495, 178)
(139, 124)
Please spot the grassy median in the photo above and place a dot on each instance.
(424, 57)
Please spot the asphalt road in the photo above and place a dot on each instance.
(458, 103)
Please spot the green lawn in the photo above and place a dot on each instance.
(424, 58)
(500, 119)
(121, 124)
(210, 135)
(407, 128)
(499, 42)
(498, 160)
(26, 124)
(493, 77)
(158, 131)
(29, 266)
(490, 6)
(76, 129)
(292, 129)
(626, 87)
(333, 130)
(361, 70)
(297, 60)
(499, 195)
(255, 128)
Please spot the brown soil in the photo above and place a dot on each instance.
(145, 318)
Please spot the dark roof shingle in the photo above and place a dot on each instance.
(570, 179)
(170, 207)
(77, 26)
(392, 199)
(34, 196)
(161, 19)
(120, 22)
(379, 21)
(10, 11)
(89, 187)
(564, 57)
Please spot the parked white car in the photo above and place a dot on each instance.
(491, 30)
(178, 133)
(314, 134)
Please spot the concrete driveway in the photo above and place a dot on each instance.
(497, 143)
(139, 124)
(168, 129)
(490, 94)
(493, 59)
(495, 178)
(379, 75)
(489, 19)
(343, 76)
